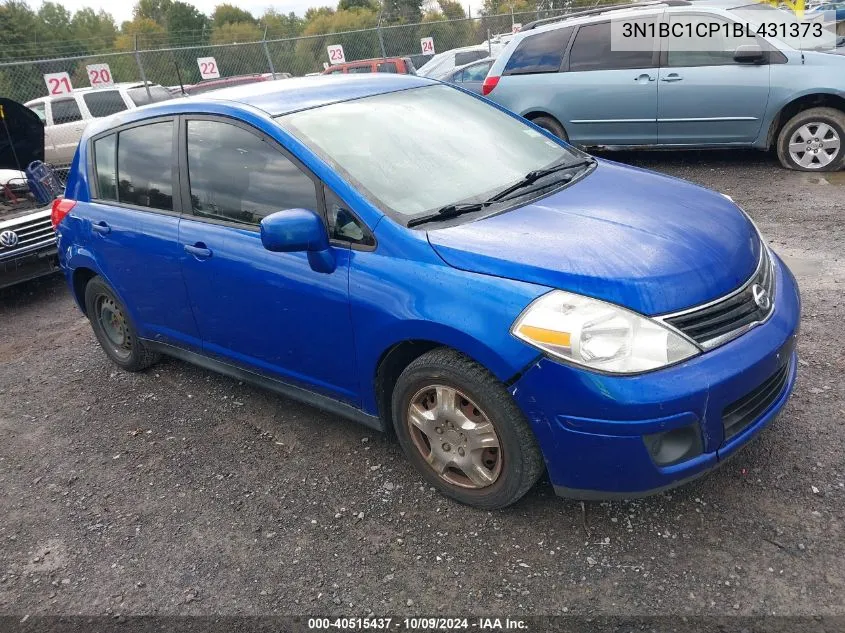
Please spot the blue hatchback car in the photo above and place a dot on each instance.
(522, 308)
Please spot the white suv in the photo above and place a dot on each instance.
(66, 116)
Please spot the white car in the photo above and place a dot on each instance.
(66, 116)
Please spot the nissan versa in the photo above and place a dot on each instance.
(400, 252)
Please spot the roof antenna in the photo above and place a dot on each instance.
(178, 74)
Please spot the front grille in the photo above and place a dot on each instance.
(32, 232)
(739, 414)
(730, 316)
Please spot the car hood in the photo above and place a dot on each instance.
(652, 243)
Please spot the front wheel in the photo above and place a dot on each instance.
(461, 429)
(813, 140)
(552, 125)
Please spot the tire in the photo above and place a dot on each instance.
(478, 429)
(550, 124)
(114, 329)
(819, 155)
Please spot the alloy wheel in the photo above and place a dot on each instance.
(455, 437)
(814, 145)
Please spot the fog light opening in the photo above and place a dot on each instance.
(671, 447)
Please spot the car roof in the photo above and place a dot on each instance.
(126, 85)
(275, 98)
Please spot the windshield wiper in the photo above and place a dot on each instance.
(449, 211)
(533, 176)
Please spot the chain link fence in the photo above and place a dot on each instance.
(297, 56)
(179, 69)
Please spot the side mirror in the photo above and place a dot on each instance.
(298, 230)
(749, 54)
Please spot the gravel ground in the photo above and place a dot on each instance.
(180, 491)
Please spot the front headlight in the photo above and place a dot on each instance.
(599, 335)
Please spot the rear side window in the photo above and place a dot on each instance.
(592, 51)
(237, 177)
(387, 67)
(144, 158)
(157, 93)
(65, 111)
(104, 102)
(105, 150)
(469, 56)
(541, 53)
(477, 72)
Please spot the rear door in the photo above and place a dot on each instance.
(67, 126)
(608, 96)
(705, 96)
(134, 225)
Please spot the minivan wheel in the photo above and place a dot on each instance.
(461, 429)
(550, 124)
(813, 140)
(114, 329)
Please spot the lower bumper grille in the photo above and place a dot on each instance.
(740, 413)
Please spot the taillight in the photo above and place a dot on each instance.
(489, 84)
(61, 207)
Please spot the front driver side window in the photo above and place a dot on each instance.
(714, 50)
(236, 176)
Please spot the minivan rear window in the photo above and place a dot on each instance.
(541, 53)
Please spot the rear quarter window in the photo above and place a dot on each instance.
(541, 53)
(469, 57)
(103, 103)
(157, 93)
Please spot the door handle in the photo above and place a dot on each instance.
(198, 250)
(101, 227)
(671, 77)
(643, 78)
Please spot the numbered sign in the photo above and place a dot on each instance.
(208, 68)
(427, 44)
(336, 55)
(58, 83)
(516, 27)
(99, 76)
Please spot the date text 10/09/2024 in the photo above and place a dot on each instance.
(417, 624)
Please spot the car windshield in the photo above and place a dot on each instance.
(802, 38)
(416, 151)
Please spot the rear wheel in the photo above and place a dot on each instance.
(114, 329)
(461, 429)
(552, 125)
(813, 140)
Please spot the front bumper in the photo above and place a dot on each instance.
(591, 427)
(16, 269)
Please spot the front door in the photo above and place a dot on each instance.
(705, 96)
(269, 312)
(609, 95)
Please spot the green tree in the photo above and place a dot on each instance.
(312, 50)
(452, 10)
(19, 23)
(184, 19)
(97, 28)
(345, 5)
(279, 25)
(402, 11)
(155, 10)
(230, 14)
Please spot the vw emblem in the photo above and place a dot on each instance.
(761, 297)
(8, 239)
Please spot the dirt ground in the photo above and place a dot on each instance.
(180, 491)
